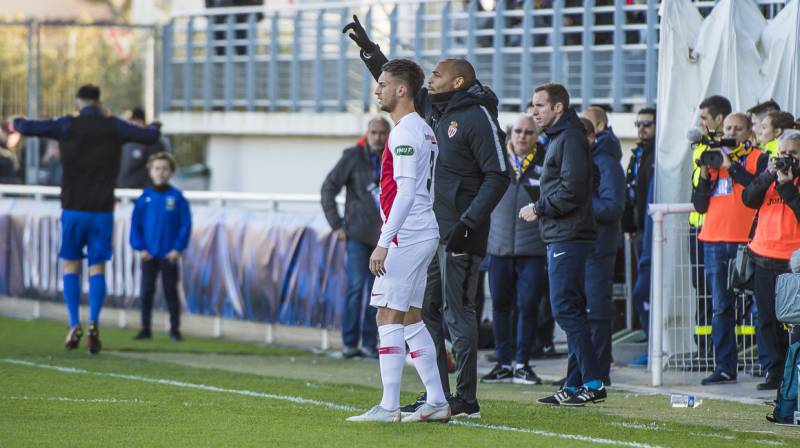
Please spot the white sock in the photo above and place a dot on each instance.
(392, 356)
(423, 353)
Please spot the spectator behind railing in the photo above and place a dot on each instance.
(358, 170)
(133, 172)
(771, 128)
(9, 162)
(518, 260)
(608, 202)
(727, 225)
(774, 193)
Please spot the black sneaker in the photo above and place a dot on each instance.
(412, 408)
(499, 374)
(718, 377)
(771, 383)
(93, 341)
(176, 335)
(526, 375)
(143, 334)
(584, 396)
(351, 352)
(461, 408)
(74, 336)
(557, 398)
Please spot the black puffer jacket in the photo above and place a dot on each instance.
(362, 220)
(511, 236)
(565, 204)
(471, 172)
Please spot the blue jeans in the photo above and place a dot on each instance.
(723, 302)
(358, 318)
(520, 282)
(566, 263)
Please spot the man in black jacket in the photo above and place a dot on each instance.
(471, 177)
(133, 164)
(567, 223)
(359, 170)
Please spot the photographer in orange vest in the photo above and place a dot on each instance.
(724, 173)
(774, 193)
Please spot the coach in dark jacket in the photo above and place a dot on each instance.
(608, 201)
(359, 171)
(568, 228)
(133, 161)
(518, 263)
(470, 178)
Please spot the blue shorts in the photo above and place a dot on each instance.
(90, 230)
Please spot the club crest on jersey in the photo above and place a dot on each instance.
(404, 150)
(451, 131)
(170, 203)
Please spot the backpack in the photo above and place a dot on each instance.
(787, 405)
(787, 298)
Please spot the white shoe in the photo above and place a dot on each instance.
(439, 413)
(377, 414)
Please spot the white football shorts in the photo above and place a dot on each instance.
(403, 285)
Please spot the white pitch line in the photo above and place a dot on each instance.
(324, 404)
(76, 400)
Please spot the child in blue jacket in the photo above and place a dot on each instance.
(160, 230)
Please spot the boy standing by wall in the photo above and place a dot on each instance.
(160, 229)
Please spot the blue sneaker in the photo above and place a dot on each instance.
(639, 362)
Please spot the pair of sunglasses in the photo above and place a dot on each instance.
(646, 124)
(520, 131)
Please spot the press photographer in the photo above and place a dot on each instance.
(774, 193)
(727, 166)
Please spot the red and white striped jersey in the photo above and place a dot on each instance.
(411, 152)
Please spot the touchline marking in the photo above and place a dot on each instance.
(77, 400)
(324, 404)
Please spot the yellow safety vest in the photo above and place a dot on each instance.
(696, 219)
(771, 147)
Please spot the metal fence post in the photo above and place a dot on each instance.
(341, 67)
(555, 56)
(32, 144)
(227, 78)
(617, 72)
(187, 66)
(250, 69)
(272, 80)
(207, 65)
(294, 82)
(418, 28)
(472, 8)
(317, 65)
(366, 85)
(657, 299)
(629, 259)
(497, 57)
(650, 69)
(525, 70)
(587, 40)
(166, 68)
(393, 38)
(445, 30)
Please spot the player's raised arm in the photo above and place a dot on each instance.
(371, 54)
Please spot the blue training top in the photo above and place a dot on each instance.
(161, 222)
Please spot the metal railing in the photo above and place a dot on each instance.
(292, 59)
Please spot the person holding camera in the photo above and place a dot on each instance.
(774, 193)
(725, 171)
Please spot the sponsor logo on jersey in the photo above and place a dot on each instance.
(451, 131)
(404, 150)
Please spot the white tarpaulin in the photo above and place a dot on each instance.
(782, 63)
(736, 53)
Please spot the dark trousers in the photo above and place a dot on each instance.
(169, 280)
(450, 296)
(641, 289)
(723, 322)
(358, 318)
(600, 294)
(772, 339)
(705, 311)
(567, 270)
(515, 282)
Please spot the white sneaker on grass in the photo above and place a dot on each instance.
(377, 414)
(439, 413)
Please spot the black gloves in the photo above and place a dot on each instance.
(458, 237)
(359, 36)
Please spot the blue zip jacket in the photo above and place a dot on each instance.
(161, 222)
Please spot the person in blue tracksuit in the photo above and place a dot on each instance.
(608, 203)
(160, 230)
(91, 147)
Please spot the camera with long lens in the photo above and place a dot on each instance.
(714, 159)
(786, 163)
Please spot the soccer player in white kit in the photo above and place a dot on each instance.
(408, 242)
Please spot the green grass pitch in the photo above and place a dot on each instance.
(205, 392)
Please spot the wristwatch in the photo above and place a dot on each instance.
(535, 209)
